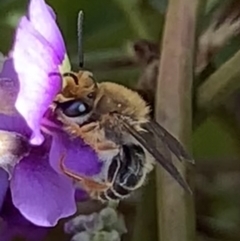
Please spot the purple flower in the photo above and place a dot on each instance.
(3, 186)
(41, 194)
(38, 55)
(14, 225)
(39, 189)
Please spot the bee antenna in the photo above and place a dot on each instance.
(80, 38)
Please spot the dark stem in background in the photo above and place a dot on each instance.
(176, 219)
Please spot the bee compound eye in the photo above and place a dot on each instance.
(73, 108)
(82, 108)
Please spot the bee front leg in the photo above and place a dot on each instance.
(73, 129)
(93, 126)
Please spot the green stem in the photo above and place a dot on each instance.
(217, 88)
(176, 216)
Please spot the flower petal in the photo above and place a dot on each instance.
(13, 147)
(15, 225)
(79, 157)
(9, 87)
(15, 124)
(41, 195)
(42, 18)
(81, 195)
(8, 95)
(36, 65)
(8, 71)
(3, 185)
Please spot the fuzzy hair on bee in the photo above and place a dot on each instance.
(116, 122)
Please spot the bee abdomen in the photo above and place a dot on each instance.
(115, 193)
(132, 171)
(127, 172)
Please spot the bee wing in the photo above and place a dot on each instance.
(151, 144)
(169, 140)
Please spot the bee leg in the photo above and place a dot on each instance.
(89, 127)
(88, 133)
(84, 132)
(73, 129)
(106, 146)
(91, 186)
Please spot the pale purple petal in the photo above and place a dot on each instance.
(3, 185)
(41, 195)
(9, 88)
(44, 22)
(9, 72)
(8, 95)
(35, 62)
(79, 157)
(14, 123)
(51, 11)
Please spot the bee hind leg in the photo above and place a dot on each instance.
(94, 188)
(106, 146)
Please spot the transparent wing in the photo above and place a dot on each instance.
(154, 142)
(169, 140)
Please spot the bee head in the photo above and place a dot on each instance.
(76, 101)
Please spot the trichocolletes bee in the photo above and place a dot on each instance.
(115, 121)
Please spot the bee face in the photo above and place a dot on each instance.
(76, 101)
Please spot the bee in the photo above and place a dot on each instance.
(115, 121)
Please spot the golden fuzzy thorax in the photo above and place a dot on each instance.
(125, 101)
